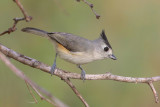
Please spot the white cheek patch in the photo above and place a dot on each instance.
(109, 51)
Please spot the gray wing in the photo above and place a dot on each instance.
(71, 42)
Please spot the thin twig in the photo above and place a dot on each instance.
(27, 18)
(13, 28)
(54, 101)
(42, 97)
(76, 91)
(16, 20)
(154, 91)
(30, 91)
(15, 70)
(91, 6)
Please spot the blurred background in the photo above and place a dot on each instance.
(132, 27)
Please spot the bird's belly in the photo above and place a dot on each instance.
(75, 57)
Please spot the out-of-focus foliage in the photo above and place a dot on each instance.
(132, 27)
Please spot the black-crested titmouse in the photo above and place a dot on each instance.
(75, 49)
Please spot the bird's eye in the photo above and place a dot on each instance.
(106, 49)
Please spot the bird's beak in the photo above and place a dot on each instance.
(112, 57)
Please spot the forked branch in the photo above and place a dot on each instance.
(16, 20)
(26, 17)
(68, 75)
(54, 101)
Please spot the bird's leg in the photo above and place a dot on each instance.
(83, 73)
(53, 66)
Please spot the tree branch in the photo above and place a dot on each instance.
(27, 18)
(13, 28)
(75, 91)
(154, 91)
(54, 101)
(16, 20)
(65, 74)
(30, 91)
(91, 6)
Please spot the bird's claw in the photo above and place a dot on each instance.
(83, 75)
(53, 69)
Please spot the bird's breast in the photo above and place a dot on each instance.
(73, 57)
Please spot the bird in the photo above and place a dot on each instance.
(76, 49)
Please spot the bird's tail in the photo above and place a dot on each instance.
(35, 31)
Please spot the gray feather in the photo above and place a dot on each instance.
(69, 41)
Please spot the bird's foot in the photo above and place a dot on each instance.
(53, 69)
(83, 73)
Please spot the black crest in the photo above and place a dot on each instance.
(104, 37)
